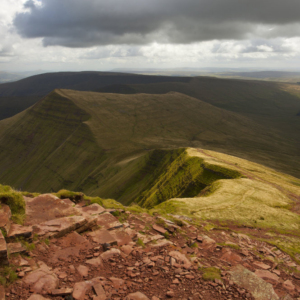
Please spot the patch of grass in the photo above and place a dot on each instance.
(166, 235)
(8, 275)
(140, 243)
(233, 246)
(161, 222)
(211, 273)
(73, 196)
(47, 242)
(15, 202)
(28, 246)
(30, 195)
(209, 227)
(35, 237)
(194, 245)
(93, 200)
(116, 213)
(110, 203)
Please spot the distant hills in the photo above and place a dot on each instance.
(106, 144)
(19, 95)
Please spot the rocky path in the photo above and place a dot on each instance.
(73, 251)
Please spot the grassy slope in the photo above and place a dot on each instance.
(274, 106)
(261, 198)
(82, 140)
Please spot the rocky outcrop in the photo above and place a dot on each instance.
(142, 257)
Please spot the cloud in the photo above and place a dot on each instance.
(77, 23)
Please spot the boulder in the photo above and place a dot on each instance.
(103, 236)
(121, 236)
(59, 227)
(180, 258)
(108, 221)
(17, 231)
(110, 253)
(42, 280)
(268, 276)
(91, 210)
(47, 207)
(15, 248)
(260, 289)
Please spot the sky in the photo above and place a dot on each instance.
(75, 35)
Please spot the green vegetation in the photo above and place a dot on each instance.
(62, 144)
(230, 245)
(8, 275)
(140, 243)
(210, 274)
(15, 201)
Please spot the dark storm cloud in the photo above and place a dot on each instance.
(85, 23)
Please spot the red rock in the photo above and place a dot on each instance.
(37, 297)
(126, 249)
(96, 262)
(3, 250)
(23, 262)
(108, 221)
(117, 282)
(80, 289)
(17, 231)
(159, 229)
(231, 257)
(131, 233)
(83, 270)
(41, 280)
(170, 294)
(2, 292)
(266, 275)
(62, 292)
(14, 248)
(180, 258)
(59, 227)
(97, 286)
(5, 215)
(207, 242)
(288, 285)
(154, 298)
(121, 236)
(47, 207)
(103, 236)
(261, 265)
(110, 253)
(136, 296)
(93, 209)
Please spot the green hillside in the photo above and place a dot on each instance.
(103, 144)
(274, 106)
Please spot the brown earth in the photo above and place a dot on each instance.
(127, 255)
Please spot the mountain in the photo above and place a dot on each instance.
(272, 106)
(19, 95)
(113, 144)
